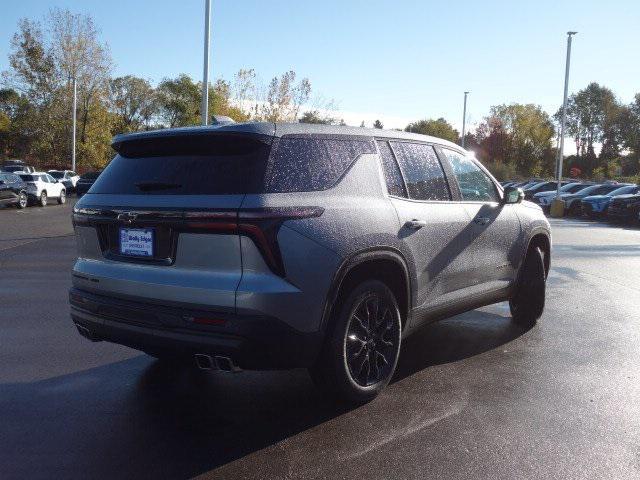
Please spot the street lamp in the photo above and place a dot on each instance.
(205, 76)
(557, 208)
(464, 117)
(73, 124)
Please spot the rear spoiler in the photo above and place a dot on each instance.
(131, 142)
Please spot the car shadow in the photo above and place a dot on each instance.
(142, 418)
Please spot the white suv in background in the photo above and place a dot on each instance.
(68, 177)
(41, 186)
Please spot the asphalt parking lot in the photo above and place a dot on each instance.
(474, 397)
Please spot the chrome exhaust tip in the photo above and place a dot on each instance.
(226, 364)
(86, 333)
(205, 362)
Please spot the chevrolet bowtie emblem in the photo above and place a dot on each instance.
(127, 217)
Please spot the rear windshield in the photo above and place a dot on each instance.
(28, 178)
(206, 165)
(230, 164)
(57, 174)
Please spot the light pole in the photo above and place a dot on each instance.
(73, 125)
(558, 204)
(464, 117)
(205, 76)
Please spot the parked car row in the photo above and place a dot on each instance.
(22, 186)
(612, 200)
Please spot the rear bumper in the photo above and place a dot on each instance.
(252, 342)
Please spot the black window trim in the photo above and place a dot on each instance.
(395, 160)
(404, 181)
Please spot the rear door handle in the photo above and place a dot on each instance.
(481, 220)
(416, 224)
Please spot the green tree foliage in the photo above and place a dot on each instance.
(518, 135)
(313, 116)
(437, 128)
(378, 124)
(594, 116)
(42, 66)
(179, 102)
(133, 103)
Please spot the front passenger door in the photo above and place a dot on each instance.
(433, 229)
(496, 245)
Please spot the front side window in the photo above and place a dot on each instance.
(475, 185)
(422, 171)
(392, 175)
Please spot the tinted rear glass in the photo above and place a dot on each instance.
(57, 174)
(28, 178)
(303, 164)
(190, 165)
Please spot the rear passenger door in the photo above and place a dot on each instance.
(496, 245)
(434, 229)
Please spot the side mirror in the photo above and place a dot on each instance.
(513, 195)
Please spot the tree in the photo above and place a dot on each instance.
(630, 133)
(43, 62)
(315, 117)
(179, 101)
(437, 128)
(594, 116)
(133, 102)
(378, 124)
(519, 135)
(285, 97)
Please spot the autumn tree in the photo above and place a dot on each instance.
(518, 135)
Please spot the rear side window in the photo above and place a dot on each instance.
(422, 171)
(305, 164)
(392, 175)
(189, 165)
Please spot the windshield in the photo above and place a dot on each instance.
(57, 174)
(571, 187)
(28, 178)
(623, 190)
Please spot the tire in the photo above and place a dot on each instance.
(363, 345)
(62, 198)
(574, 209)
(43, 199)
(23, 201)
(527, 303)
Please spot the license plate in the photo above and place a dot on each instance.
(137, 242)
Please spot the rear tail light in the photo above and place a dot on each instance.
(261, 225)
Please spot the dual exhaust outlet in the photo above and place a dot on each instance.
(217, 362)
(203, 361)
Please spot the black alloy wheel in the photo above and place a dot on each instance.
(371, 341)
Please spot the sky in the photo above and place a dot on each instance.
(398, 61)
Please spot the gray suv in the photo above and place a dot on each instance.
(270, 246)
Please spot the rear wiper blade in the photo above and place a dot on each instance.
(150, 186)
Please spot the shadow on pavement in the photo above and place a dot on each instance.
(142, 418)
